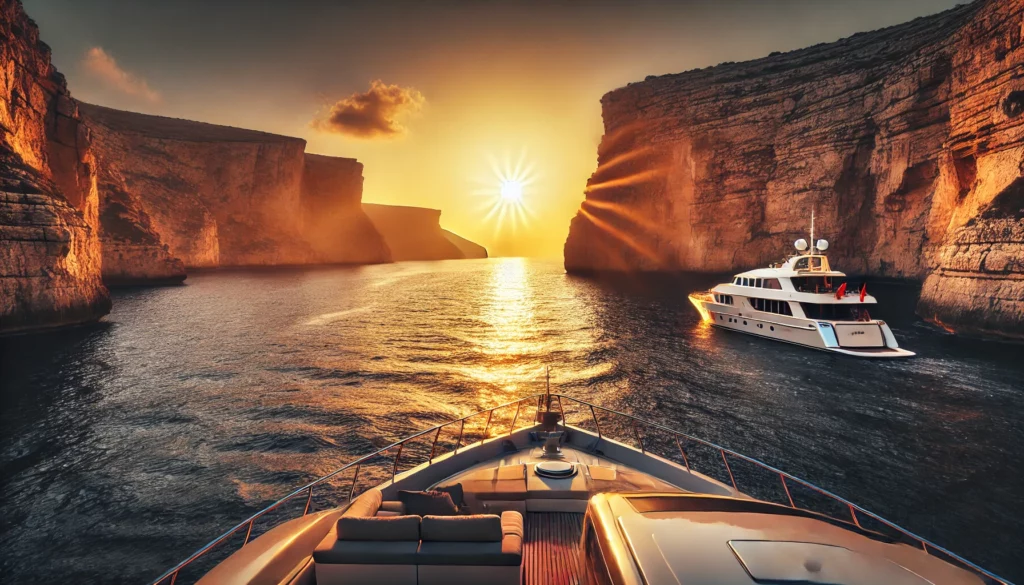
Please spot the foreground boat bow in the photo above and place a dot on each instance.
(528, 484)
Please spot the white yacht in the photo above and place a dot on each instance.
(523, 497)
(801, 301)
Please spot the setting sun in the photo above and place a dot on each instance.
(506, 191)
(511, 191)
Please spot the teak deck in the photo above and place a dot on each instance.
(551, 550)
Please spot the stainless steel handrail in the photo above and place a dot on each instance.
(927, 546)
(170, 576)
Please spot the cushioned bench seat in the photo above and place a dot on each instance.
(408, 550)
(368, 553)
(472, 540)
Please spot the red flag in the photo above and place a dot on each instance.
(863, 291)
(841, 291)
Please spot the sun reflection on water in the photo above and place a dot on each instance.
(510, 340)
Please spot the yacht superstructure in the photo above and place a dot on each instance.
(802, 301)
(609, 500)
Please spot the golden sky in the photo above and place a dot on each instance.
(461, 85)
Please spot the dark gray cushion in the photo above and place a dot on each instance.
(379, 528)
(500, 554)
(455, 491)
(427, 503)
(477, 528)
(366, 552)
(397, 508)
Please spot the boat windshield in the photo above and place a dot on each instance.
(831, 312)
(809, 263)
(815, 284)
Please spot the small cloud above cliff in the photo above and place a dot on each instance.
(373, 114)
(103, 67)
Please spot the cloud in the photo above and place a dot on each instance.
(373, 114)
(103, 67)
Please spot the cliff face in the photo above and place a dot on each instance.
(49, 251)
(469, 249)
(216, 196)
(334, 221)
(906, 141)
(189, 194)
(414, 233)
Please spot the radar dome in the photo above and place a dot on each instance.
(801, 244)
(821, 245)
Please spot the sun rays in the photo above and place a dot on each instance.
(505, 192)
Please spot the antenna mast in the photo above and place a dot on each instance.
(812, 230)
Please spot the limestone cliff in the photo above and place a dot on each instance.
(414, 233)
(49, 250)
(200, 195)
(469, 249)
(907, 141)
(335, 224)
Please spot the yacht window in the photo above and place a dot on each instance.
(813, 284)
(736, 280)
(771, 306)
(834, 312)
(595, 571)
(772, 283)
(758, 283)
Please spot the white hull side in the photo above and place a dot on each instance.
(804, 332)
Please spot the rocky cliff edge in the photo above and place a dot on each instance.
(49, 249)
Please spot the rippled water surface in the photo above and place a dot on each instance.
(127, 445)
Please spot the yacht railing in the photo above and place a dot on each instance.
(634, 424)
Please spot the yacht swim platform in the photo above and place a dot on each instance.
(545, 500)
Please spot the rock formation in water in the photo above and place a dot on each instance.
(201, 195)
(908, 142)
(335, 223)
(415, 233)
(49, 250)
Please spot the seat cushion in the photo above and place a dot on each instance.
(367, 552)
(512, 523)
(365, 505)
(380, 528)
(428, 503)
(508, 552)
(476, 528)
(397, 508)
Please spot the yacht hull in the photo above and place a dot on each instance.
(870, 339)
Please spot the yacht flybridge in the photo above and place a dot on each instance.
(522, 497)
(801, 301)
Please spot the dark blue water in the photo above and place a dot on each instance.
(126, 445)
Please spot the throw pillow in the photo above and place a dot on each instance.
(427, 503)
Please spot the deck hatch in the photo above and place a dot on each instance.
(770, 561)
